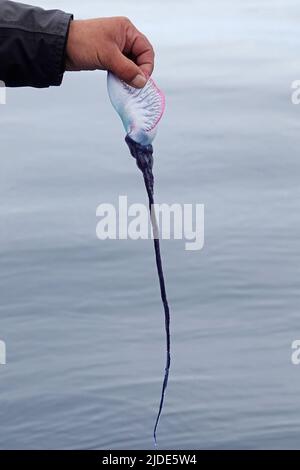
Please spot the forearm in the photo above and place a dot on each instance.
(32, 45)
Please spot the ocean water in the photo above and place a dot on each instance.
(82, 318)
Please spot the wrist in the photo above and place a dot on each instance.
(71, 46)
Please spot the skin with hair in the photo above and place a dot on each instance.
(112, 44)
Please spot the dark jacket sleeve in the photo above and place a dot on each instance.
(32, 45)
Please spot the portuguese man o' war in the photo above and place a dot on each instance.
(140, 111)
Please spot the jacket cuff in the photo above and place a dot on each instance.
(58, 52)
(32, 45)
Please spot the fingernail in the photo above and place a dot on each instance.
(139, 81)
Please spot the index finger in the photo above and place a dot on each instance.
(142, 52)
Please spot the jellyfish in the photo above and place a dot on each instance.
(140, 111)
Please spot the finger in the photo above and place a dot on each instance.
(143, 54)
(126, 69)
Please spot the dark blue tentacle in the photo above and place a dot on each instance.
(144, 159)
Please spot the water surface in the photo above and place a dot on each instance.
(82, 318)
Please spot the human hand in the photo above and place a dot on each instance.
(110, 44)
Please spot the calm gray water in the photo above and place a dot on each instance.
(82, 318)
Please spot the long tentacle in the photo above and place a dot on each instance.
(163, 298)
(144, 159)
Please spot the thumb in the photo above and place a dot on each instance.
(126, 69)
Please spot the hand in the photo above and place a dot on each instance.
(110, 44)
